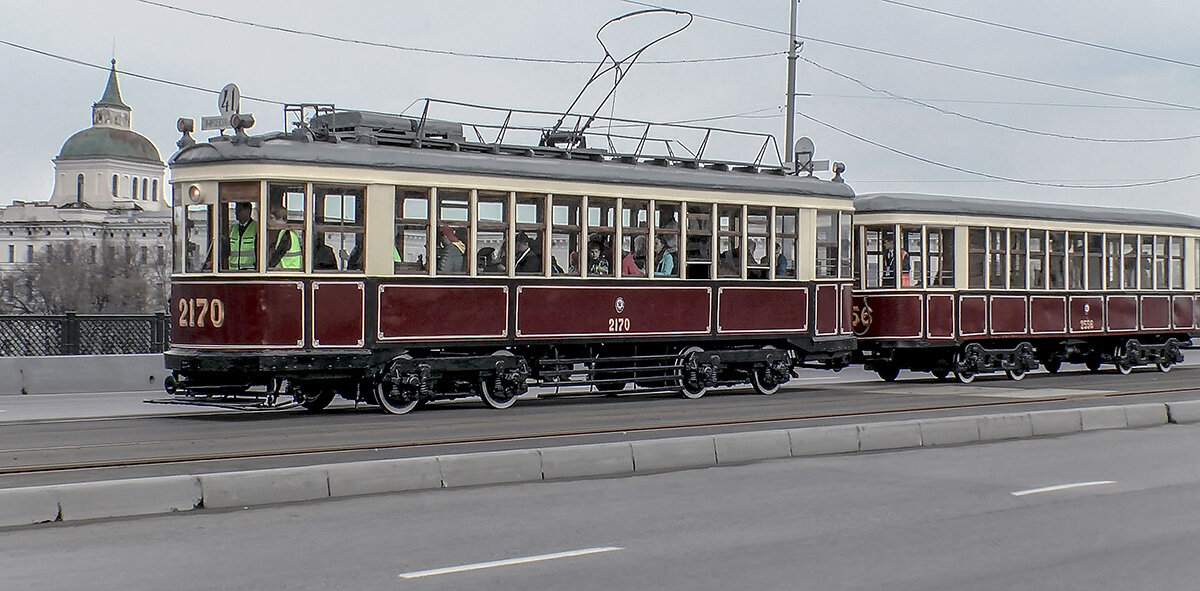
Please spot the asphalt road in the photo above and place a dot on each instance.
(364, 433)
(977, 517)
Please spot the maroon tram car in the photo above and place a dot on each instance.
(392, 260)
(970, 286)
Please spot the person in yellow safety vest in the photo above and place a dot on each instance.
(243, 239)
(286, 252)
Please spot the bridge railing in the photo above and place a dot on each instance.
(82, 334)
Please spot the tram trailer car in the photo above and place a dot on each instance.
(390, 260)
(967, 286)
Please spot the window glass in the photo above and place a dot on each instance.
(491, 233)
(997, 258)
(529, 244)
(758, 235)
(635, 232)
(666, 240)
(729, 241)
(564, 242)
(1095, 262)
(285, 227)
(699, 241)
(941, 257)
(786, 224)
(1017, 259)
(846, 234)
(1075, 259)
(879, 272)
(601, 223)
(338, 215)
(1146, 263)
(1161, 281)
(454, 229)
(1112, 260)
(197, 239)
(1176, 262)
(239, 238)
(1056, 269)
(976, 257)
(410, 250)
(910, 261)
(827, 244)
(1130, 249)
(1037, 259)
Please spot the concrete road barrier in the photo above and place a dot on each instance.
(32, 505)
(81, 373)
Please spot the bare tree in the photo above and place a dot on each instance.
(113, 278)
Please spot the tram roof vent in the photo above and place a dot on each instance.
(383, 128)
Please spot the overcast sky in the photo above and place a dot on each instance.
(44, 100)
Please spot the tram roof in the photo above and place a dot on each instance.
(531, 162)
(1004, 208)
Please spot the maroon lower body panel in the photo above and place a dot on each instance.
(1048, 315)
(898, 315)
(1086, 314)
(827, 318)
(1182, 312)
(1007, 316)
(1122, 313)
(424, 312)
(338, 308)
(762, 309)
(242, 314)
(940, 316)
(1156, 312)
(578, 311)
(972, 315)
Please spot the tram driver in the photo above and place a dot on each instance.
(889, 264)
(243, 239)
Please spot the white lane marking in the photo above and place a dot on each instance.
(509, 562)
(1057, 487)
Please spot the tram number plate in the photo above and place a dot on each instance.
(201, 312)
(618, 325)
(861, 318)
(1087, 324)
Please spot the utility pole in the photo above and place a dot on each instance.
(791, 88)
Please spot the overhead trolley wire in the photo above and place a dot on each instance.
(933, 62)
(1045, 35)
(467, 54)
(994, 176)
(898, 97)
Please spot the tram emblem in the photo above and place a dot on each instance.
(620, 304)
(1087, 308)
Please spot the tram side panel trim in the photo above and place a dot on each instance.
(253, 314)
(762, 309)
(430, 312)
(338, 309)
(577, 311)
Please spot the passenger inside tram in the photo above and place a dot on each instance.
(323, 257)
(451, 251)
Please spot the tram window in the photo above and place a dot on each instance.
(1037, 259)
(786, 225)
(564, 239)
(758, 236)
(635, 231)
(910, 264)
(411, 247)
(1176, 262)
(1017, 258)
(529, 248)
(491, 234)
(997, 258)
(941, 257)
(1056, 268)
(1112, 260)
(827, 244)
(1129, 251)
(666, 240)
(198, 239)
(239, 238)
(1146, 263)
(699, 241)
(880, 271)
(285, 227)
(1161, 281)
(1196, 263)
(601, 224)
(1095, 262)
(338, 214)
(1075, 257)
(729, 241)
(454, 228)
(976, 257)
(846, 232)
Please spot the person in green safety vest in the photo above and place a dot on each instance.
(286, 253)
(243, 239)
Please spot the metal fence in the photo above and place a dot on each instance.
(83, 334)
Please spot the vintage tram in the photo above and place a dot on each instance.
(970, 286)
(397, 260)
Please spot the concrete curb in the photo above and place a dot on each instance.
(167, 494)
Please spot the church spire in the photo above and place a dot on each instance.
(110, 110)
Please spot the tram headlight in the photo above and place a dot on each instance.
(241, 121)
(185, 125)
(193, 193)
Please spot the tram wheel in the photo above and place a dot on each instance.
(1052, 365)
(888, 372)
(941, 374)
(687, 390)
(964, 377)
(1093, 365)
(393, 401)
(1164, 366)
(1015, 375)
(763, 383)
(1123, 365)
(493, 399)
